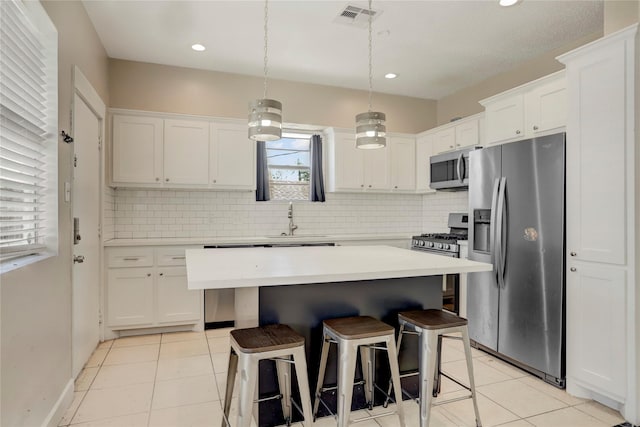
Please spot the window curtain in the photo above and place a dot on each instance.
(316, 184)
(262, 175)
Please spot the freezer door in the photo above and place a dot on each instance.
(532, 297)
(482, 288)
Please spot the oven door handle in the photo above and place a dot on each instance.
(492, 229)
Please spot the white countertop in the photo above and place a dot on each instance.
(255, 267)
(316, 238)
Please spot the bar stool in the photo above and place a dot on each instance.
(248, 347)
(431, 325)
(351, 334)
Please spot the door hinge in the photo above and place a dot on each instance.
(99, 317)
(75, 161)
(100, 143)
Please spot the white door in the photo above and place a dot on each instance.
(86, 207)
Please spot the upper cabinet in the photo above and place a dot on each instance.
(530, 110)
(166, 152)
(388, 169)
(457, 134)
(424, 151)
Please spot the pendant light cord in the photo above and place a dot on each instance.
(370, 62)
(266, 21)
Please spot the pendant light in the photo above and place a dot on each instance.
(265, 115)
(370, 126)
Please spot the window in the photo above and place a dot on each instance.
(289, 167)
(28, 130)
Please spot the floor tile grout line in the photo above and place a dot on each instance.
(153, 390)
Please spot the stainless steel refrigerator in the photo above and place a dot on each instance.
(517, 205)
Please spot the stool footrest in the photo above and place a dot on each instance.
(265, 399)
(335, 387)
(456, 381)
(453, 399)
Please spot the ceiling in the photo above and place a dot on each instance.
(435, 47)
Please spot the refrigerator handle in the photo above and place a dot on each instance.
(493, 228)
(501, 232)
(460, 170)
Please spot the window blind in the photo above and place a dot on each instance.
(25, 130)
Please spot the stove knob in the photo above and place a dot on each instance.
(447, 246)
(421, 242)
(430, 244)
(439, 245)
(414, 242)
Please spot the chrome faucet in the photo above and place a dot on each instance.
(292, 226)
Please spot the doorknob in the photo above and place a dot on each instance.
(78, 259)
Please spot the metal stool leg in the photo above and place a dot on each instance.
(428, 349)
(395, 377)
(228, 394)
(472, 385)
(248, 371)
(347, 353)
(300, 361)
(388, 398)
(438, 377)
(323, 367)
(367, 358)
(283, 370)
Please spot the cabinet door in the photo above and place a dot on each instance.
(596, 333)
(137, 150)
(349, 163)
(467, 134)
(546, 107)
(232, 160)
(377, 174)
(403, 163)
(504, 119)
(444, 140)
(129, 297)
(176, 303)
(596, 143)
(424, 150)
(186, 152)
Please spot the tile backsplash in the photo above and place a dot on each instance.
(437, 206)
(183, 213)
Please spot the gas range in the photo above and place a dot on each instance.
(444, 243)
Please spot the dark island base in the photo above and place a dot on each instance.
(304, 307)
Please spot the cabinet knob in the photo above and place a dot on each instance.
(166, 179)
(572, 269)
(162, 274)
(573, 254)
(517, 132)
(369, 185)
(451, 146)
(535, 127)
(361, 185)
(157, 179)
(148, 274)
(395, 186)
(214, 181)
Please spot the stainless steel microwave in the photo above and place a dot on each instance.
(450, 171)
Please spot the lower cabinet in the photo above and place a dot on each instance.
(147, 287)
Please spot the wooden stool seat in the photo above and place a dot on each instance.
(432, 319)
(266, 338)
(353, 328)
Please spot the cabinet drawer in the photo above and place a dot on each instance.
(130, 257)
(170, 256)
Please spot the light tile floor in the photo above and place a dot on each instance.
(178, 380)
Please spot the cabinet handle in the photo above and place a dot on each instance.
(517, 132)
(130, 259)
(535, 127)
(148, 274)
(177, 257)
(572, 269)
(573, 254)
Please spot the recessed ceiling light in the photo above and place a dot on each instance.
(390, 76)
(198, 47)
(507, 3)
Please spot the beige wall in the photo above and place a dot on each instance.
(144, 86)
(465, 102)
(619, 14)
(36, 300)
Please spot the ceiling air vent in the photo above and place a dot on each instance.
(356, 16)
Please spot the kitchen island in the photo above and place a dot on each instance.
(302, 286)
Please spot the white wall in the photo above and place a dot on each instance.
(181, 213)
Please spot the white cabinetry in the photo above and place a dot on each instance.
(186, 152)
(530, 110)
(354, 169)
(602, 218)
(170, 151)
(137, 150)
(232, 157)
(456, 135)
(147, 287)
(402, 151)
(424, 151)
